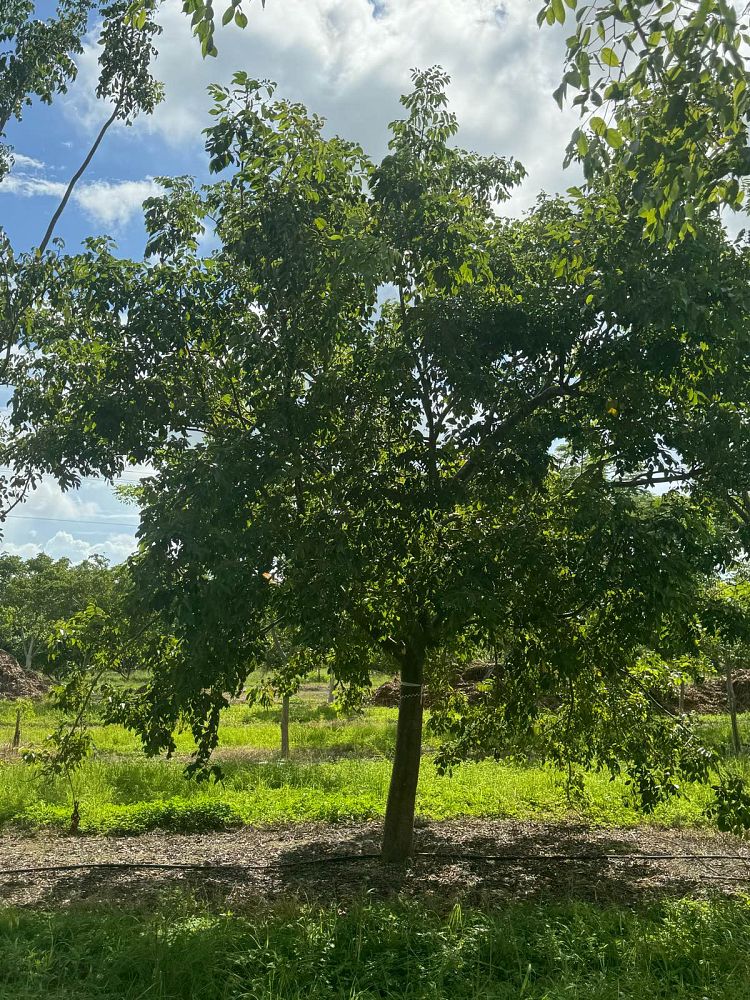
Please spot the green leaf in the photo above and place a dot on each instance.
(598, 125)
(240, 19)
(609, 57)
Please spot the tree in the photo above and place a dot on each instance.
(86, 650)
(37, 592)
(725, 638)
(282, 671)
(37, 60)
(360, 393)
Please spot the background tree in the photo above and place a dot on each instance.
(725, 640)
(388, 456)
(88, 650)
(37, 592)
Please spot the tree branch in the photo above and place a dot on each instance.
(77, 176)
(473, 463)
(739, 509)
(648, 479)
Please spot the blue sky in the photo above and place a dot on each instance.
(346, 59)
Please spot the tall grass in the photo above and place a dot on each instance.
(314, 728)
(674, 951)
(124, 795)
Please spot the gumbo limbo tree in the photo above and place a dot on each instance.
(360, 394)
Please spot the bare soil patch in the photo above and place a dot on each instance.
(473, 862)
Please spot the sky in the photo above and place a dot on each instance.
(348, 60)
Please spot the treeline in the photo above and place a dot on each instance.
(40, 592)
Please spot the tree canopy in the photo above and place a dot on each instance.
(360, 395)
(36, 593)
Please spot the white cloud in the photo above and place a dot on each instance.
(115, 203)
(349, 61)
(48, 500)
(27, 162)
(63, 544)
(109, 203)
(27, 186)
(75, 524)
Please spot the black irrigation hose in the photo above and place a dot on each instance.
(208, 867)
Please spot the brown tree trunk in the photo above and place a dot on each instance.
(732, 702)
(398, 829)
(285, 727)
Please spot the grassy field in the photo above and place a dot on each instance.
(671, 951)
(339, 772)
(353, 948)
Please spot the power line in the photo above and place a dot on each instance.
(67, 520)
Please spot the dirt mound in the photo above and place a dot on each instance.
(710, 695)
(476, 672)
(387, 695)
(15, 682)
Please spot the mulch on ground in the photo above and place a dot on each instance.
(481, 862)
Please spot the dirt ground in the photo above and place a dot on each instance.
(482, 862)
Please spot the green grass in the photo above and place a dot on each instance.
(340, 772)
(131, 796)
(315, 729)
(716, 731)
(672, 951)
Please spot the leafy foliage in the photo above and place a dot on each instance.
(663, 91)
(37, 592)
(359, 395)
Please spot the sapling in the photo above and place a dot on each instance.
(84, 649)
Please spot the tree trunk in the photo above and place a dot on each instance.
(330, 688)
(17, 734)
(29, 651)
(732, 702)
(285, 727)
(398, 829)
(682, 698)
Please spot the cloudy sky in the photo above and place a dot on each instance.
(345, 59)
